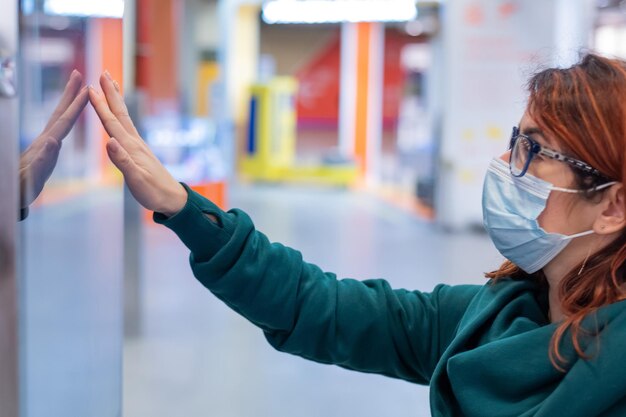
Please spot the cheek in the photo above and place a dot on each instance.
(564, 213)
(554, 218)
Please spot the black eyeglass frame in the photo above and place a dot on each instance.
(537, 149)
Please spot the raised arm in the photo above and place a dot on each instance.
(361, 325)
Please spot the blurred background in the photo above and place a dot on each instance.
(356, 131)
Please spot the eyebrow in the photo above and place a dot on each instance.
(532, 131)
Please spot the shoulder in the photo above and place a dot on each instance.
(506, 296)
(506, 289)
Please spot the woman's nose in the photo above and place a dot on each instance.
(506, 157)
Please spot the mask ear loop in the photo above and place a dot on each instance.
(588, 254)
(598, 188)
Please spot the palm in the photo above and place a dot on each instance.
(40, 158)
(147, 179)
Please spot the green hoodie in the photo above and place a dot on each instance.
(482, 349)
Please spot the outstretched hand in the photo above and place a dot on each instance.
(147, 179)
(39, 159)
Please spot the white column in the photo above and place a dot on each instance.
(228, 96)
(348, 95)
(224, 110)
(572, 29)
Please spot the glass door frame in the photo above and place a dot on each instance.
(9, 120)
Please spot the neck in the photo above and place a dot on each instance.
(555, 312)
(560, 266)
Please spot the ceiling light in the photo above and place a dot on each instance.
(334, 11)
(85, 8)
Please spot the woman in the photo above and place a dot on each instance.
(544, 337)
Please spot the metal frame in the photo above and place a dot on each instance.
(9, 156)
(132, 211)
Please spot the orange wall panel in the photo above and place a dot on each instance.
(364, 31)
(110, 33)
(157, 50)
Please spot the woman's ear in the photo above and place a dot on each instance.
(612, 216)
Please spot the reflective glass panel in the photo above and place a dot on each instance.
(71, 254)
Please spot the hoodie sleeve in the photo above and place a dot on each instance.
(359, 325)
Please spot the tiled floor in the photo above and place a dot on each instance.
(195, 357)
(71, 264)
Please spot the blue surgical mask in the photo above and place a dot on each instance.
(511, 207)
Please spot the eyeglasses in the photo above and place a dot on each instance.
(523, 149)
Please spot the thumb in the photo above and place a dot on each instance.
(118, 155)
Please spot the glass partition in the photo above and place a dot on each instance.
(8, 211)
(71, 232)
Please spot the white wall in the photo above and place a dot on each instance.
(488, 53)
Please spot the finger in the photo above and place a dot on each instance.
(34, 175)
(45, 162)
(120, 158)
(113, 126)
(116, 102)
(34, 149)
(71, 90)
(64, 124)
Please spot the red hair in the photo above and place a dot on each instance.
(584, 109)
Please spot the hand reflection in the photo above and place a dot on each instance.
(39, 159)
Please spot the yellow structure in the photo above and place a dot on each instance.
(271, 140)
(207, 74)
